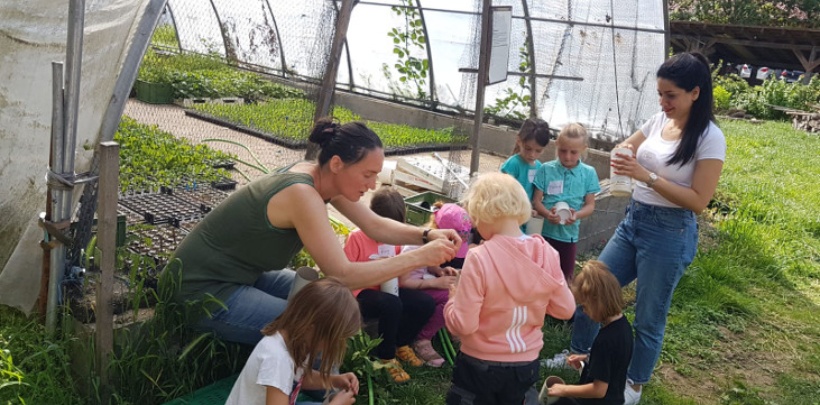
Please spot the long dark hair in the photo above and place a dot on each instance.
(351, 141)
(319, 319)
(689, 70)
(533, 128)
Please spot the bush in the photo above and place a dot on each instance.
(721, 96)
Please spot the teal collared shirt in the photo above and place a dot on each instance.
(571, 186)
(522, 171)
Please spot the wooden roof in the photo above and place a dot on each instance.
(774, 47)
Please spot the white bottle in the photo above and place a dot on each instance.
(619, 185)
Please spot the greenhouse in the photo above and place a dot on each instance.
(205, 97)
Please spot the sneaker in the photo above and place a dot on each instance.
(558, 361)
(395, 370)
(631, 397)
(425, 350)
(407, 355)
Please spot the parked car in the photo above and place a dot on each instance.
(763, 73)
(791, 76)
(745, 71)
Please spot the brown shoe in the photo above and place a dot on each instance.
(395, 370)
(407, 355)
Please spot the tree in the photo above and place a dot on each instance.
(787, 13)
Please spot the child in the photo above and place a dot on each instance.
(507, 285)
(603, 376)
(566, 179)
(436, 280)
(319, 319)
(523, 164)
(400, 317)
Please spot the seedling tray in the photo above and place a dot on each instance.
(420, 206)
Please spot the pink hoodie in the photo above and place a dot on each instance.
(506, 286)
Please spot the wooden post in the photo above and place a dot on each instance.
(107, 241)
(329, 80)
(483, 72)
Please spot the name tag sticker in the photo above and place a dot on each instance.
(556, 187)
(387, 250)
(531, 175)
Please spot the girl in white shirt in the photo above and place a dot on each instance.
(319, 319)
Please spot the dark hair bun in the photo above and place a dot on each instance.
(324, 131)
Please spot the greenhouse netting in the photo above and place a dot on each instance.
(583, 61)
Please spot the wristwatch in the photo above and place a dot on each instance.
(652, 179)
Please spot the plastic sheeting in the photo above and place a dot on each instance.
(33, 34)
(613, 48)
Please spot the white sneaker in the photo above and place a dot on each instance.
(558, 361)
(631, 397)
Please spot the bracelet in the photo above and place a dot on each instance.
(424, 238)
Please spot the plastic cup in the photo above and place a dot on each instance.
(535, 225)
(543, 398)
(304, 275)
(619, 185)
(391, 286)
(563, 211)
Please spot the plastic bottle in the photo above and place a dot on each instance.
(619, 185)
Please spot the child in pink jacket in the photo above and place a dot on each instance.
(507, 285)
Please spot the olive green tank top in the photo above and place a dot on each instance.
(236, 243)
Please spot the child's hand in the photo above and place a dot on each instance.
(448, 271)
(345, 397)
(443, 282)
(552, 217)
(346, 381)
(557, 390)
(576, 360)
(571, 219)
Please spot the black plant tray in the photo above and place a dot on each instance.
(204, 195)
(158, 208)
(226, 164)
(224, 184)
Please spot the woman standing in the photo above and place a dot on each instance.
(239, 252)
(679, 156)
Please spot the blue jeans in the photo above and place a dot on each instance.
(250, 308)
(655, 245)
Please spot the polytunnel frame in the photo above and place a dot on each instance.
(431, 102)
(224, 37)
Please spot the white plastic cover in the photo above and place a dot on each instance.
(33, 33)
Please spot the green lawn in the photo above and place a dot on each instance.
(744, 327)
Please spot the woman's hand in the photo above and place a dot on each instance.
(436, 252)
(346, 381)
(446, 234)
(628, 165)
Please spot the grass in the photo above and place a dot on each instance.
(743, 328)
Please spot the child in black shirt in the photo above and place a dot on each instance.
(604, 370)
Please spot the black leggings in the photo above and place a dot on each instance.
(400, 318)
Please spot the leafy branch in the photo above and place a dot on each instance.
(412, 70)
(516, 101)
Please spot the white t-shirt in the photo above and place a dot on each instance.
(655, 151)
(270, 364)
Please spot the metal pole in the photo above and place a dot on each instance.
(531, 55)
(57, 254)
(483, 72)
(147, 25)
(71, 101)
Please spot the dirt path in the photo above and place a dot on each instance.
(172, 118)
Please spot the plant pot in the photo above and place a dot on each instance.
(154, 93)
